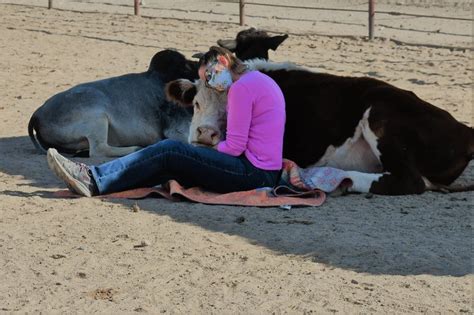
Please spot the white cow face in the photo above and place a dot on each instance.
(209, 119)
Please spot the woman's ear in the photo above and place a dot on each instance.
(223, 61)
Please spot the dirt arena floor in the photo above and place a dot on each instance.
(409, 254)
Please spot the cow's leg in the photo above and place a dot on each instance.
(400, 176)
(396, 183)
(362, 182)
(386, 183)
(97, 138)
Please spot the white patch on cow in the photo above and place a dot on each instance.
(358, 155)
(355, 154)
(429, 185)
(361, 182)
(264, 65)
(368, 134)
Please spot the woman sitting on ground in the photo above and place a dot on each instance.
(250, 157)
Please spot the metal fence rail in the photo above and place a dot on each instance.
(371, 12)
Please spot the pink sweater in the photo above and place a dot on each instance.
(255, 121)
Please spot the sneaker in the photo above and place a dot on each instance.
(77, 176)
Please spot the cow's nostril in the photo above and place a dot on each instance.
(199, 130)
(215, 134)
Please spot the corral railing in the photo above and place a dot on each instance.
(371, 12)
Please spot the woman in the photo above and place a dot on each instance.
(250, 157)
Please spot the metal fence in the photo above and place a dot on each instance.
(371, 12)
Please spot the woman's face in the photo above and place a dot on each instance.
(216, 75)
(202, 69)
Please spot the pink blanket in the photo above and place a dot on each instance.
(298, 187)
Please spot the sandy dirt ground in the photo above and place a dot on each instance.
(408, 254)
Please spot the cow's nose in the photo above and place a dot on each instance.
(208, 135)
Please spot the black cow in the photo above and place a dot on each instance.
(251, 43)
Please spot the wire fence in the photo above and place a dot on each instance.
(245, 6)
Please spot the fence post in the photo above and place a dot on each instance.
(242, 12)
(50, 4)
(371, 18)
(137, 7)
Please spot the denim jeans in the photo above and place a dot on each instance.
(187, 164)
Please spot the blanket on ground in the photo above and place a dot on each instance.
(297, 187)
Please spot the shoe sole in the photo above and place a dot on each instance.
(70, 181)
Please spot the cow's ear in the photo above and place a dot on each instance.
(230, 44)
(275, 41)
(198, 55)
(181, 91)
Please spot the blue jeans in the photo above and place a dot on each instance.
(187, 164)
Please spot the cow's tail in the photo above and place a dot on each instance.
(36, 138)
(451, 188)
(42, 145)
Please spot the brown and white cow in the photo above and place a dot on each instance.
(389, 140)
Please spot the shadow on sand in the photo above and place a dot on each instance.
(426, 234)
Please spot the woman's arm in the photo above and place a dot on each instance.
(239, 117)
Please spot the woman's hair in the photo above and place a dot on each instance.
(235, 64)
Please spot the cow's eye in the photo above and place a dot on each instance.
(196, 104)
